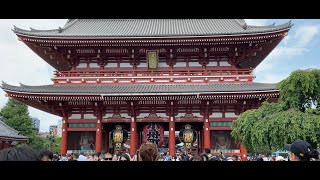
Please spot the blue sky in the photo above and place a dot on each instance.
(299, 50)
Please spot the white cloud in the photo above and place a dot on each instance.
(278, 54)
(288, 52)
(19, 64)
(286, 40)
(294, 45)
(273, 78)
(305, 34)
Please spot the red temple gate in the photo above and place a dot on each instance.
(201, 74)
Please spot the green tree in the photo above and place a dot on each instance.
(301, 89)
(249, 127)
(295, 116)
(16, 115)
(53, 144)
(36, 142)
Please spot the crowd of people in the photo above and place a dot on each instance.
(297, 151)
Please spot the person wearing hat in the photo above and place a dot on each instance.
(300, 150)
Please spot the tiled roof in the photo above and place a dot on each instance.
(6, 132)
(152, 28)
(140, 88)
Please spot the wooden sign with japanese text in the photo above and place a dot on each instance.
(153, 59)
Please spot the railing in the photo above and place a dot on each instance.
(144, 73)
(225, 150)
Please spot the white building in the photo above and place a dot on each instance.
(59, 128)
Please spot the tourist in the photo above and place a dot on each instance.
(46, 155)
(55, 157)
(107, 157)
(148, 152)
(300, 150)
(82, 157)
(124, 157)
(96, 157)
(64, 157)
(75, 157)
(115, 157)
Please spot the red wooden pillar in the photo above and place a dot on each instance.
(243, 153)
(172, 137)
(64, 137)
(206, 134)
(107, 141)
(133, 136)
(98, 144)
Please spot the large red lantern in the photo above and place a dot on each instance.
(153, 133)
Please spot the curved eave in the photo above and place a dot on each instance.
(99, 91)
(33, 34)
(142, 94)
(16, 90)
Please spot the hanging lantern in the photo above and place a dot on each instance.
(187, 136)
(153, 133)
(119, 136)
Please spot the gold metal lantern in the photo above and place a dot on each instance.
(187, 136)
(119, 136)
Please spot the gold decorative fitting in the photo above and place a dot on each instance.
(187, 136)
(118, 137)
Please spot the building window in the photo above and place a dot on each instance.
(89, 116)
(224, 63)
(82, 65)
(112, 65)
(75, 116)
(212, 63)
(82, 125)
(94, 65)
(221, 123)
(194, 64)
(181, 64)
(216, 115)
(230, 115)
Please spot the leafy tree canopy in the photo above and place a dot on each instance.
(295, 116)
(301, 89)
(16, 115)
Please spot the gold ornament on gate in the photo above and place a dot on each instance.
(118, 137)
(187, 136)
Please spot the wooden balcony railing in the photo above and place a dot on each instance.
(145, 73)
